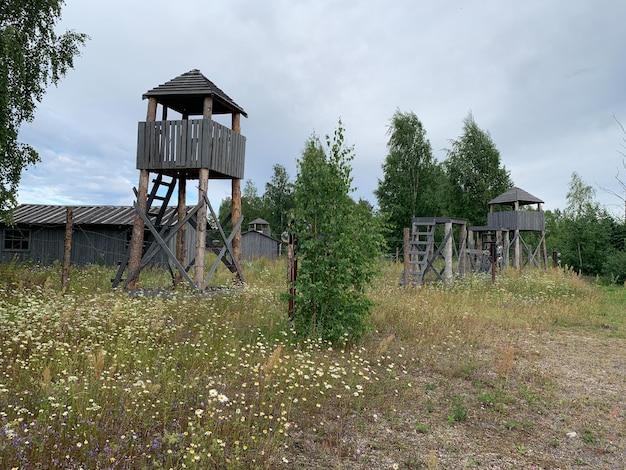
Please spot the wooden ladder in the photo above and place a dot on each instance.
(421, 249)
(156, 214)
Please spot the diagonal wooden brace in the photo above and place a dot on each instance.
(228, 244)
(162, 242)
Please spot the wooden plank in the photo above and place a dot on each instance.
(197, 142)
(204, 144)
(160, 140)
(171, 142)
(178, 142)
(141, 142)
(184, 129)
(215, 148)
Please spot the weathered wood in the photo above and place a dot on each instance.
(152, 109)
(136, 242)
(67, 248)
(236, 188)
(162, 242)
(236, 211)
(181, 236)
(207, 107)
(447, 255)
(517, 220)
(193, 144)
(406, 254)
(203, 183)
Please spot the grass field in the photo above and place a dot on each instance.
(526, 373)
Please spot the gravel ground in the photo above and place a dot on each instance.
(554, 400)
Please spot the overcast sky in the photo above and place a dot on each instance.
(545, 78)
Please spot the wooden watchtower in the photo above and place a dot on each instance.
(518, 221)
(176, 151)
(444, 259)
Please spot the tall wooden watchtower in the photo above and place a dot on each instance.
(518, 221)
(176, 151)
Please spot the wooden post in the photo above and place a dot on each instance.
(545, 250)
(292, 274)
(236, 197)
(462, 263)
(136, 242)
(518, 254)
(505, 249)
(201, 221)
(201, 216)
(181, 236)
(407, 255)
(448, 254)
(67, 251)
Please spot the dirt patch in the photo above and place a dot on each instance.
(553, 400)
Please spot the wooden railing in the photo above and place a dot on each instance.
(517, 220)
(190, 144)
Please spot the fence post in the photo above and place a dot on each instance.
(67, 251)
(405, 278)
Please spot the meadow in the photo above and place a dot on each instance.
(524, 373)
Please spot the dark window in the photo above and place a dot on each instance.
(16, 239)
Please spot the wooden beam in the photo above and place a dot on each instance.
(162, 242)
(227, 246)
(201, 221)
(447, 254)
(136, 241)
(207, 107)
(67, 251)
(181, 236)
(236, 197)
(152, 109)
(405, 257)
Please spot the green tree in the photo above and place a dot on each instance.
(252, 207)
(475, 173)
(278, 199)
(411, 176)
(32, 56)
(585, 234)
(587, 229)
(338, 244)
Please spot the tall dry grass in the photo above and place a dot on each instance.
(91, 377)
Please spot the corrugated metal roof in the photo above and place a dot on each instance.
(516, 195)
(39, 214)
(185, 94)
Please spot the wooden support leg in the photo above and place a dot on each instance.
(236, 211)
(136, 242)
(181, 236)
(201, 227)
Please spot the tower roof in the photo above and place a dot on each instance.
(185, 94)
(516, 195)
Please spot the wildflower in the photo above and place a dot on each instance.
(222, 398)
(199, 412)
(213, 393)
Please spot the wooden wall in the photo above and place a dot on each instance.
(106, 245)
(190, 144)
(257, 245)
(517, 220)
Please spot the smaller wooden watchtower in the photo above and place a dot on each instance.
(519, 221)
(176, 149)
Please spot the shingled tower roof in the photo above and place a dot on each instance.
(185, 94)
(514, 195)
